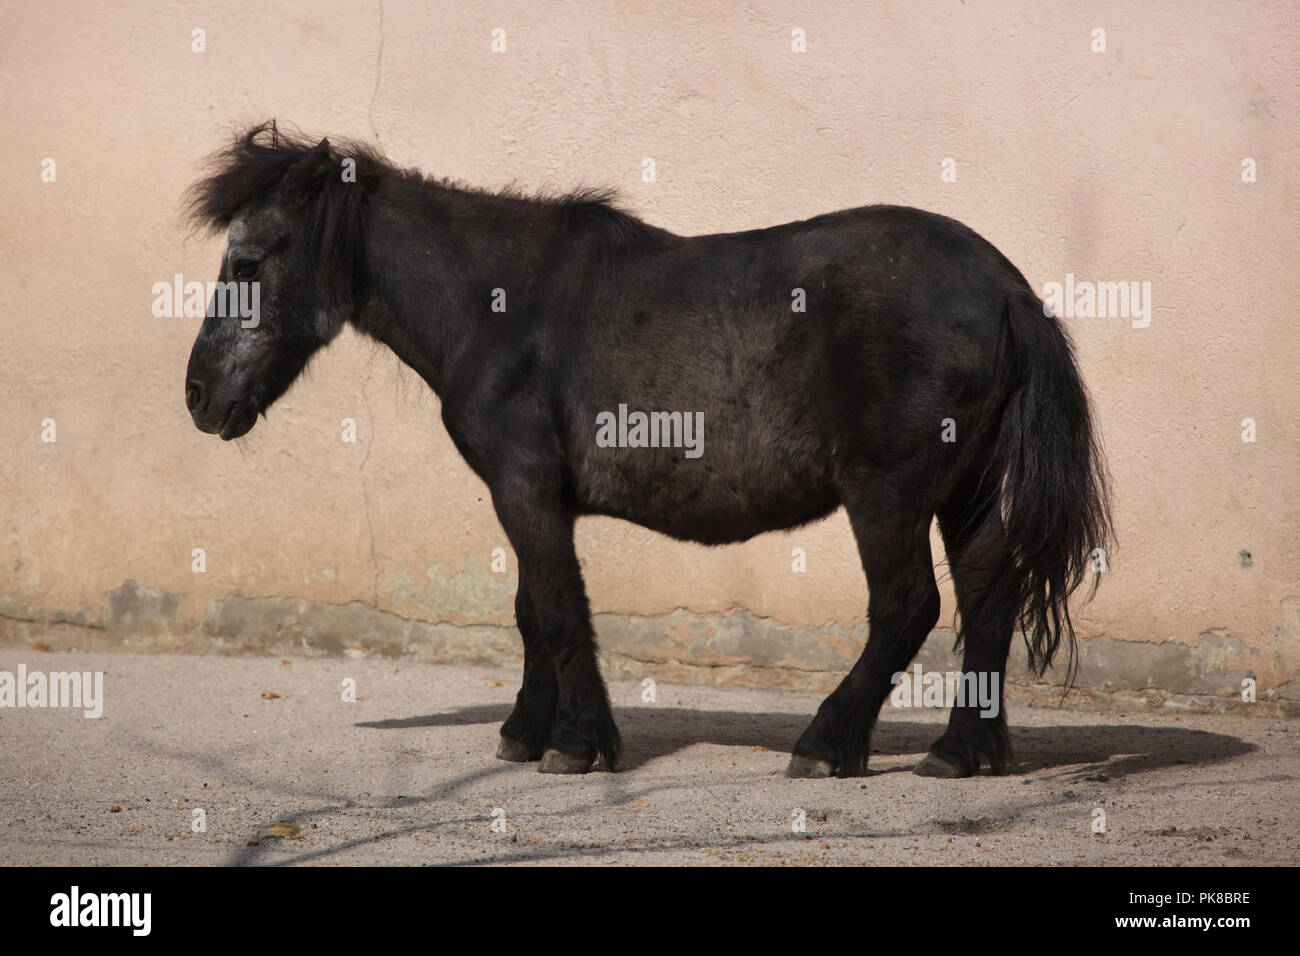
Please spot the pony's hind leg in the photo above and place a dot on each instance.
(984, 576)
(523, 735)
(903, 605)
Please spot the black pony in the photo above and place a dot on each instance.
(710, 387)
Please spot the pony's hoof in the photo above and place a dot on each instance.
(516, 751)
(935, 766)
(809, 767)
(554, 761)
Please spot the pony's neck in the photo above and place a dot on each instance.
(434, 256)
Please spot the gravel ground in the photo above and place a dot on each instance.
(406, 775)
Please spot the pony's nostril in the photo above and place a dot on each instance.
(193, 396)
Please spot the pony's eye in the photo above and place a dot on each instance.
(243, 270)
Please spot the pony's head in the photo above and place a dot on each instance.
(291, 273)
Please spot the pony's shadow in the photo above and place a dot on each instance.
(1093, 751)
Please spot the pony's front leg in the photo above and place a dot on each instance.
(557, 612)
(525, 732)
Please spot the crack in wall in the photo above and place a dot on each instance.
(365, 497)
(379, 74)
(89, 625)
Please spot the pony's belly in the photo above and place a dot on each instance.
(695, 501)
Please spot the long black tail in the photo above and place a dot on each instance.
(1055, 501)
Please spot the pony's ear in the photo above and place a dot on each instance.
(302, 179)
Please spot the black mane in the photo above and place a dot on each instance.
(266, 159)
(260, 159)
